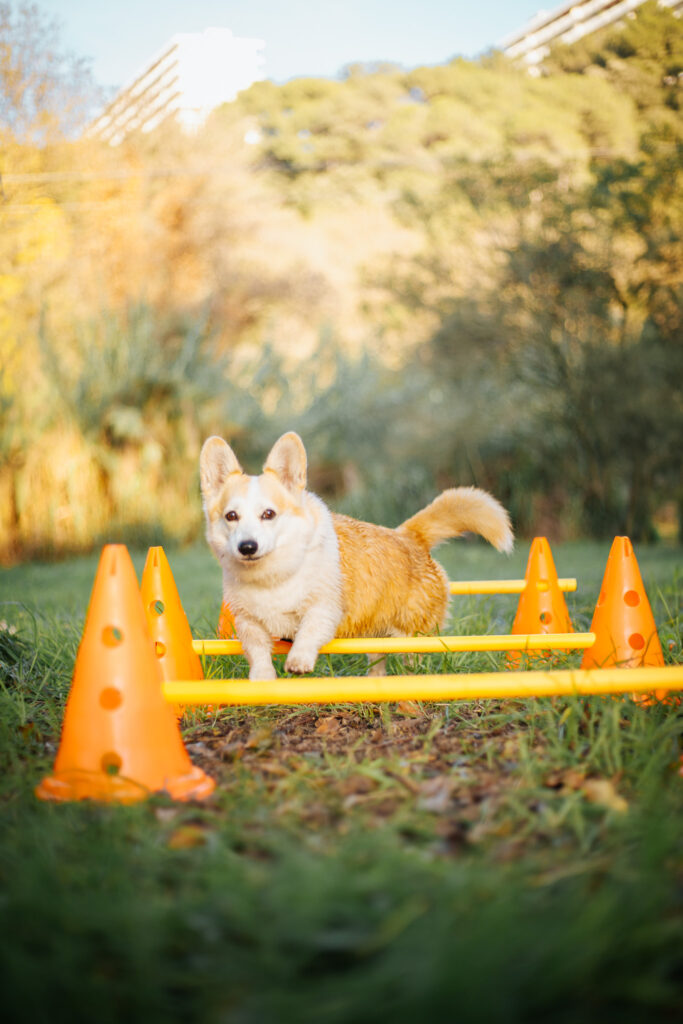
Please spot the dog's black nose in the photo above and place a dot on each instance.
(247, 547)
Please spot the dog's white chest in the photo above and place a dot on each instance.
(285, 589)
(280, 608)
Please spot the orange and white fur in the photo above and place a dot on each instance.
(291, 568)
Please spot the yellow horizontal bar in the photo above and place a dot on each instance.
(477, 686)
(502, 586)
(421, 644)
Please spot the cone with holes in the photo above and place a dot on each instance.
(623, 623)
(120, 738)
(542, 607)
(167, 622)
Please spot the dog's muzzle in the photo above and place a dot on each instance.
(248, 548)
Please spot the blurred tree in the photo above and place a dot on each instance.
(45, 93)
(136, 395)
(643, 55)
(45, 97)
(580, 307)
(598, 309)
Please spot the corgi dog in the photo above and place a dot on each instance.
(294, 569)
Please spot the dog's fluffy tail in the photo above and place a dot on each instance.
(461, 510)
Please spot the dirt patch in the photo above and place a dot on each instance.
(359, 735)
(411, 764)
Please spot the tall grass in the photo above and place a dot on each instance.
(111, 450)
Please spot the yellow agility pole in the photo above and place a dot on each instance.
(421, 644)
(378, 689)
(463, 587)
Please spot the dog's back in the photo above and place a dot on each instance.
(390, 582)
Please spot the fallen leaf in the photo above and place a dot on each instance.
(410, 708)
(603, 793)
(573, 778)
(570, 778)
(328, 726)
(186, 836)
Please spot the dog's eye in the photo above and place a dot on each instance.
(231, 516)
(269, 513)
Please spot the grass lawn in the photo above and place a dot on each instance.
(481, 861)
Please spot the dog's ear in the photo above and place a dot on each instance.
(287, 459)
(216, 462)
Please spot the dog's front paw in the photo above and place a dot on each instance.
(262, 672)
(300, 663)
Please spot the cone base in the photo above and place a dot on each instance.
(196, 785)
(84, 785)
(653, 659)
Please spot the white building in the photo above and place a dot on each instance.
(566, 24)
(194, 73)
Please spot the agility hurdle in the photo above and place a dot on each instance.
(420, 644)
(119, 743)
(475, 686)
(465, 587)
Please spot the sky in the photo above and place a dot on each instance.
(302, 37)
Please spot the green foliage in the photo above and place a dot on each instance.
(400, 128)
(579, 323)
(643, 56)
(113, 374)
(145, 396)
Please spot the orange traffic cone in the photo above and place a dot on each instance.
(120, 739)
(623, 623)
(542, 607)
(226, 623)
(167, 622)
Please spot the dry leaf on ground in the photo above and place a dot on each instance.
(328, 726)
(187, 836)
(603, 793)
